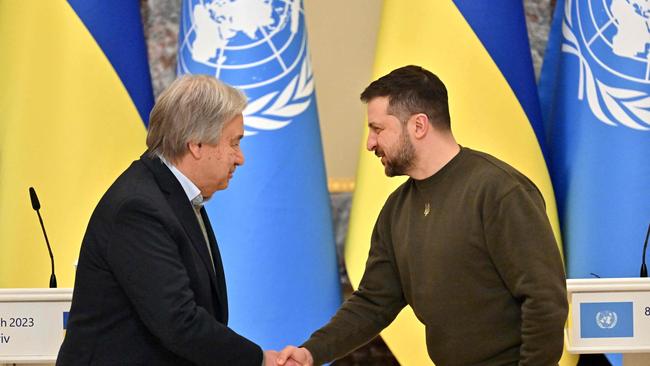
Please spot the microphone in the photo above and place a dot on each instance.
(36, 205)
(644, 269)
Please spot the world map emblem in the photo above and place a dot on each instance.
(259, 46)
(611, 39)
(606, 319)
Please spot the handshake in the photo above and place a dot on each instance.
(289, 356)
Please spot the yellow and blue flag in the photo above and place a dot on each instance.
(75, 93)
(274, 222)
(480, 50)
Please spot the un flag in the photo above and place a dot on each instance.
(595, 93)
(273, 223)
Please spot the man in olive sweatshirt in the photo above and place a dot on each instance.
(465, 241)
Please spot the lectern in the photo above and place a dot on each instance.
(610, 315)
(32, 324)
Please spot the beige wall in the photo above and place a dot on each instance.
(342, 39)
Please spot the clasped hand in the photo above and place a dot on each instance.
(289, 356)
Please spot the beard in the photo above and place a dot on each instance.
(403, 159)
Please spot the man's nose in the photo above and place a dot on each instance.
(371, 143)
(239, 160)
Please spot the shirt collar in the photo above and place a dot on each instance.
(191, 190)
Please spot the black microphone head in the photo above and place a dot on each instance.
(32, 194)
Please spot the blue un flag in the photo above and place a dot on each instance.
(274, 221)
(595, 94)
(595, 97)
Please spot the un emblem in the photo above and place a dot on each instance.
(259, 46)
(606, 319)
(611, 39)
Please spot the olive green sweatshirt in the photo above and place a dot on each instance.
(471, 250)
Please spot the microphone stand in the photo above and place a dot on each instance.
(644, 269)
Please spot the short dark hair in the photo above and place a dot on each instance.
(412, 89)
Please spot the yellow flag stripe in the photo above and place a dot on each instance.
(68, 128)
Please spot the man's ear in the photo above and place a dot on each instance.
(194, 148)
(421, 125)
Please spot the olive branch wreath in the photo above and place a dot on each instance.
(627, 106)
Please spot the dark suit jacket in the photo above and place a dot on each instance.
(145, 291)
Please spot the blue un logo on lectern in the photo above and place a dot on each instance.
(606, 320)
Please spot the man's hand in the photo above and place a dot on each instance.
(270, 358)
(291, 355)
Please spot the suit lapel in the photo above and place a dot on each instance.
(183, 209)
(218, 265)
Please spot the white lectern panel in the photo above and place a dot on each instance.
(609, 315)
(32, 324)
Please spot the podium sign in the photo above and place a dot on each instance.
(32, 324)
(609, 315)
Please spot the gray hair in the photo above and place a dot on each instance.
(194, 108)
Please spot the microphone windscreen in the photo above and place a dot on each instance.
(32, 194)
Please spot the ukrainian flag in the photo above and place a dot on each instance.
(481, 51)
(75, 92)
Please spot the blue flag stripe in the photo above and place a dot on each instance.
(114, 37)
(500, 37)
